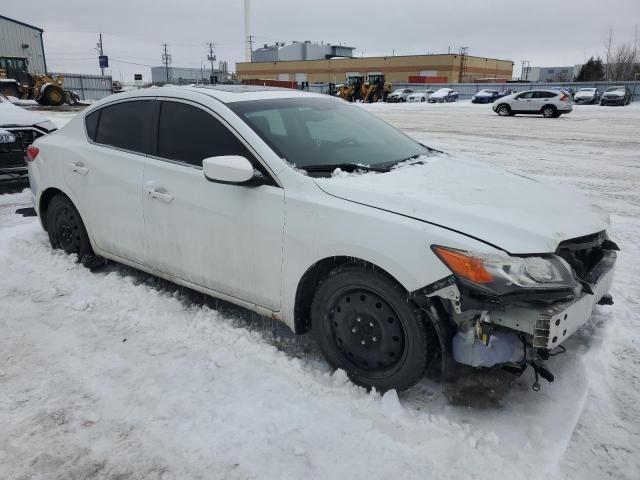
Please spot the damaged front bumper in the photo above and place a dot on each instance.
(523, 327)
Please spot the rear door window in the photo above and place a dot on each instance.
(189, 134)
(129, 125)
(91, 123)
(546, 94)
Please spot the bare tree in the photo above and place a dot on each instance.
(622, 60)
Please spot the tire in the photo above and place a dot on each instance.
(364, 324)
(503, 110)
(548, 111)
(9, 89)
(54, 96)
(67, 231)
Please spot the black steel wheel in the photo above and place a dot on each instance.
(365, 324)
(66, 229)
(54, 96)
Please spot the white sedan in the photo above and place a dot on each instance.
(420, 96)
(316, 213)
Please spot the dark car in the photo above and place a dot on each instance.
(399, 95)
(568, 90)
(18, 129)
(485, 96)
(444, 95)
(619, 95)
(504, 93)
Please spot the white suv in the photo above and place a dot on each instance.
(548, 103)
(314, 212)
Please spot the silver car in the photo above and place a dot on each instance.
(548, 103)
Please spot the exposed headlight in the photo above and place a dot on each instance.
(7, 137)
(502, 273)
(47, 125)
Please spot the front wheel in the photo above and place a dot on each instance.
(365, 324)
(503, 110)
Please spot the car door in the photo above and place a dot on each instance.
(105, 174)
(224, 237)
(523, 103)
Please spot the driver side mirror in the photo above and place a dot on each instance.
(231, 169)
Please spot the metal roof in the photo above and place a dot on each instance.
(21, 23)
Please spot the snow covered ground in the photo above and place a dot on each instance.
(119, 375)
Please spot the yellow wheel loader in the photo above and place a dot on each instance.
(375, 89)
(16, 81)
(352, 91)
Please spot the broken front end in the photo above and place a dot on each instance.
(516, 311)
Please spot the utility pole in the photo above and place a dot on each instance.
(211, 57)
(524, 71)
(101, 51)
(251, 47)
(166, 60)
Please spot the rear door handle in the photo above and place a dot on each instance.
(159, 193)
(78, 167)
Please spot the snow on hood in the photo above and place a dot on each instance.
(508, 210)
(10, 115)
(440, 93)
(584, 93)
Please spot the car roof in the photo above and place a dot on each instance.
(223, 93)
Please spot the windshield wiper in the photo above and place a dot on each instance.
(347, 167)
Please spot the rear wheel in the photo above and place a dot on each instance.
(548, 111)
(503, 110)
(67, 231)
(365, 324)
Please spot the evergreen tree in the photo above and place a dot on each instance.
(592, 71)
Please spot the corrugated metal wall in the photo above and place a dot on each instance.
(14, 36)
(88, 87)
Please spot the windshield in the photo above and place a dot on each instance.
(587, 90)
(614, 89)
(325, 131)
(442, 91)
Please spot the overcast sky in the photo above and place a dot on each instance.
(545, 32)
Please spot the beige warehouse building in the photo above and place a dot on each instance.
(445, 68)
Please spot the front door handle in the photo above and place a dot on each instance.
(78, 167)
(159, 193)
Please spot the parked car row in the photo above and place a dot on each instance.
(443, 95)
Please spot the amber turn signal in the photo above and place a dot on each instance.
(464, 265)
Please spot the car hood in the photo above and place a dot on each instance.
(510, 211)
(615, 93)
(439, 94)
(12, 116)
(584, 94)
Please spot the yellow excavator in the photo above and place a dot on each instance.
(16, 81)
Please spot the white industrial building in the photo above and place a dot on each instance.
(279, 52)
(19, 40)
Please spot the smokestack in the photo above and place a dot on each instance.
(247, 12)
